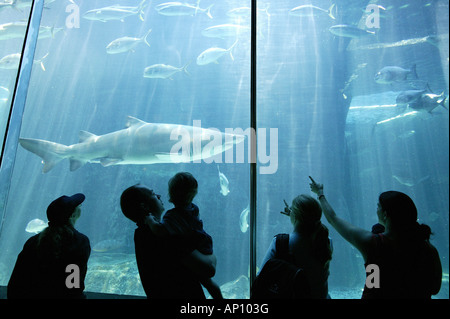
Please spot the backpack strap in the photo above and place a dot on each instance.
(282, 247)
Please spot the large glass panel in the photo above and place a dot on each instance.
(13, 26)
(321, 112)
(339, 125)
(91, 79)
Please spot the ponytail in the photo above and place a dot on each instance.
(52, 240)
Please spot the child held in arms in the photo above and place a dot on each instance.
(183, 221)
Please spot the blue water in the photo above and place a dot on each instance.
(315, 88)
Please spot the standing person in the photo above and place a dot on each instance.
(53, 263)
(183, 222)
(168, 267)
(309, 244)
(409, 265)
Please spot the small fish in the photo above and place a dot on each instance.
(12, 61)
(308, 10)
(391, 74)
(126, 44)
(182, 9)
(223, 31)
(244, 219)
(36, 226)
(349, 31)
(115, 12)
(107, 245)
(224, 184)
(213, 54)
(163, 71)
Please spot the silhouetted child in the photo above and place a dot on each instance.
(183, 221)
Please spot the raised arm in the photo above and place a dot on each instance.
(358, 237)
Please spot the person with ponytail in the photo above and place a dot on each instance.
(53, 263)
(309, 244)
(408, 265)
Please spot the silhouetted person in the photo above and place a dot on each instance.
(41, 269)
(309, 244)
(409, 265)
(183, 221)
(169, 267)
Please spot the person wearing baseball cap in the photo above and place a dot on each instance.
(53, 263)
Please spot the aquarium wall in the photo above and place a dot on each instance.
(352, 93)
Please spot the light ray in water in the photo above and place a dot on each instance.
(372, 106)
(397, 117)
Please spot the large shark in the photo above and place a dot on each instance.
(139, 143)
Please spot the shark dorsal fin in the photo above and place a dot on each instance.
(132, 121)
(84, 136)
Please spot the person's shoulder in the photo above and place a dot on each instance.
(81, 237)
(31, 242)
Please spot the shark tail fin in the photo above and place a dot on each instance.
(50, 152)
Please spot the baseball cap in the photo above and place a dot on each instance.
(60, 210)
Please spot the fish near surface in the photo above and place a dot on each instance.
(182, 9)
(115, 12)
(139, 143)
(391, 74)
(126, 44)
(309, 10)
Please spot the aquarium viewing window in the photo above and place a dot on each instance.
(251, 97)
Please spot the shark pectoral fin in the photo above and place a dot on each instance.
(171, 158)
(108, 161)
(165, 157)
(76, 164)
